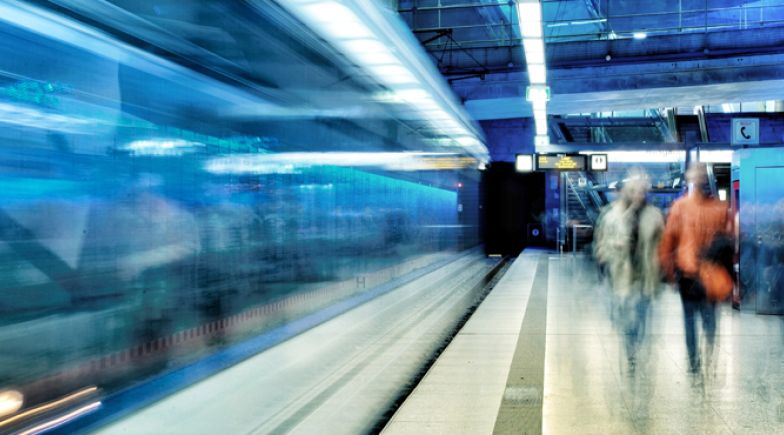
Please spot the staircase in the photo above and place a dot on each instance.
(582, 207)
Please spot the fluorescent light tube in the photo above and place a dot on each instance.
(641, 156)
(393, 74)
(534, 50)
(537, 74)
(541, 127)
(716, 156)
(337, 19)
(366, 45)
(538, 93)
(529, 15)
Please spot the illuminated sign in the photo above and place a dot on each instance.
(745, 131)
(599, 162)
(524, 163)
(560, 162)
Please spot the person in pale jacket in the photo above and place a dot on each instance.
(626, 243)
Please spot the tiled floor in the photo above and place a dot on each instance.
(588, 387)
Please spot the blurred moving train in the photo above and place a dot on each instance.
(167, 168)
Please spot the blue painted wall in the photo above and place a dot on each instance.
(507, 137)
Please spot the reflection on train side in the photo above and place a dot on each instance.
(95, 264)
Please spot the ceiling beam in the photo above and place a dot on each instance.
(629, 99)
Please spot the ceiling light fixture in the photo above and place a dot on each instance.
(529, 15)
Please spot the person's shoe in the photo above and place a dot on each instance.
(694, 366)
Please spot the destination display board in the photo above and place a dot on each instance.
(561, 162)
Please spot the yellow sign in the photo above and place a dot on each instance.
(566, 162)
(561, 162)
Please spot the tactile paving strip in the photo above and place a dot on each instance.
(521, 407)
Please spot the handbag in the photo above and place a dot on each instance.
(716, 281)
(715, 272)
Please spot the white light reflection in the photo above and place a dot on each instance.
(355, 29)
(583, 23)
(534, 50)
(286, 163)
(47, 407)
(34, 118)
(467, 141)
(541, 127)
(336, 18)
(537, 74)
(539, 105)
(162, 147)
(642, 156)
(370, 52)
(529, 14)
(414, 96)
(524, 163)
(716, 156)
(541, 141)
(393, 74)
(538, 94)
(10, 402)
(51, 424)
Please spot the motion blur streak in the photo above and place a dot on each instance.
(62, 420)
(49, 406)
(289, 162)
(180, 177)
(10, 402)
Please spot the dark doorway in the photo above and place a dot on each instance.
(513, 206)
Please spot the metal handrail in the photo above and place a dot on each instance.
(574, 235)
(574, 190)
(577, 195)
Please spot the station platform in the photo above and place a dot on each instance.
(541, 355)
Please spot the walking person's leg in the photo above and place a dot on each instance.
(690, 307)
(628, 329)
(708, 313)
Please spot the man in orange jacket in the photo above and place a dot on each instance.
(694, 221)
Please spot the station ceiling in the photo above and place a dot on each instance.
(476, 36)
(607, 55)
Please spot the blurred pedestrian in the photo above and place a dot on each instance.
(626, 240)
(695, 223)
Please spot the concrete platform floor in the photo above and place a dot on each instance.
(587, 385)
